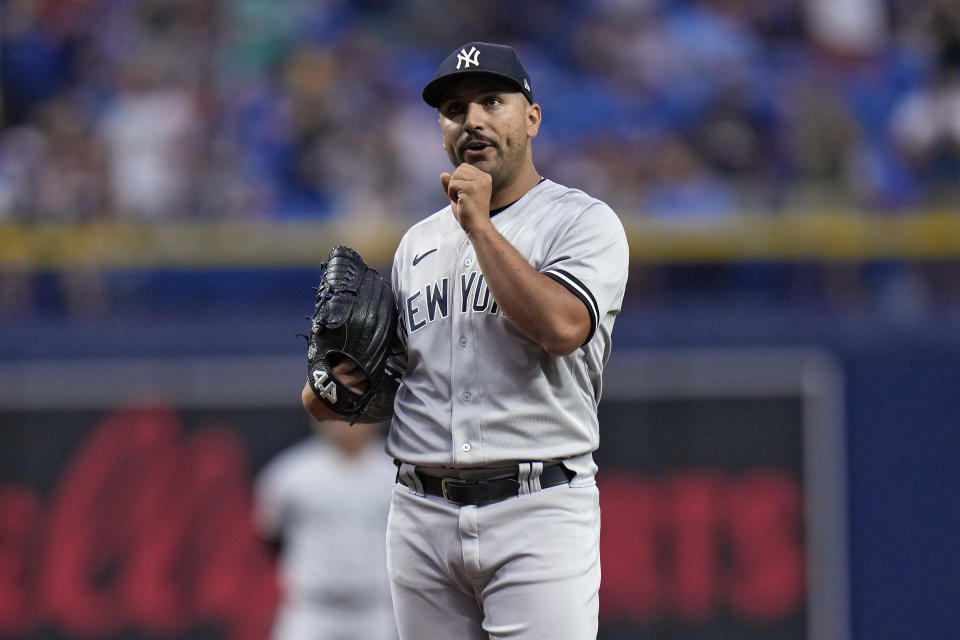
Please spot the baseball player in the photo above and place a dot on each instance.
(323, 503)
(507, 299)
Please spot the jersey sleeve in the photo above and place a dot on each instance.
(591, 259)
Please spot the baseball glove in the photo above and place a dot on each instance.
(354, 318)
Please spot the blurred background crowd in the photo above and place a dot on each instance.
(156, 111)
(224, 109)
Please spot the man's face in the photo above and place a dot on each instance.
(489, 124)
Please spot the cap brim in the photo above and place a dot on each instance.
(433, 92)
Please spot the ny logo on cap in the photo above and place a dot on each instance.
(468, 59)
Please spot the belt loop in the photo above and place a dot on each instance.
(528, 474)
(408, 475)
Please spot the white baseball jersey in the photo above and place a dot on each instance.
(331, 512)
(477, 393)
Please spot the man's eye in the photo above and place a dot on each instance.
(452, 108)
(493, 100)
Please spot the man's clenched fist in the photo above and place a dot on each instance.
(469, 190)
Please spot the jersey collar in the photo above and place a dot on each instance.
(494, 212)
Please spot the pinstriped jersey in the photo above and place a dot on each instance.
(476, 392)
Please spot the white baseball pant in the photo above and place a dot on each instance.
(525, 568)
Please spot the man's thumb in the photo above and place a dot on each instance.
(445, 181)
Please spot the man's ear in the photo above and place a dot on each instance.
(533, 120)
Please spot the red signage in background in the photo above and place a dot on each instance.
(705, 532)
(147, 531)
(137, 524)
(19, 510)
(688, 545)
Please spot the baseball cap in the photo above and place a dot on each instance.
(483, 58)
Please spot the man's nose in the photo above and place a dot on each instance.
(474, 116)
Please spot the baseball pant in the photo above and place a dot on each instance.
(525, 568)
(311, 623)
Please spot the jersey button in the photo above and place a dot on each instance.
(467, 396)
(463, 342)
(466, 447)
(467, 262)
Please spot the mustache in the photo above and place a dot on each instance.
(469, 138)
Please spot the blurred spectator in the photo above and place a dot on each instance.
(22, 153)
(323, 504)
(925, 124)
(926, 128)
(48, 170)
(681, 187)
(73, 175)
(149, 133)
(847, 27)
(34, 60)
(818, 136)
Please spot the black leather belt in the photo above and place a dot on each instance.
(482, 492)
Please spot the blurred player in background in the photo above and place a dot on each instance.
(323, 503)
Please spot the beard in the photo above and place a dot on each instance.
(503, 167)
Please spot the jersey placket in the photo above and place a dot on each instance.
(464, 433)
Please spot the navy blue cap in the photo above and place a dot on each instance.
(485, 58)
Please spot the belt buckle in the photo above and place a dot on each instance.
(446, 482)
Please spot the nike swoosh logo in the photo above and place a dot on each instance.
(417, 259)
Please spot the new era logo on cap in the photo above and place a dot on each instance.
(485, 58)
